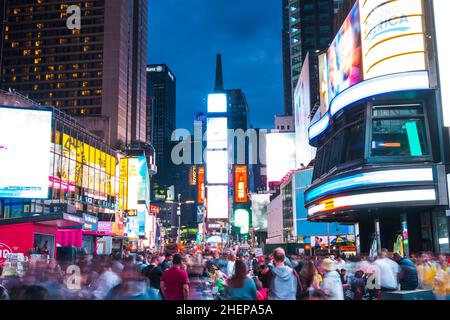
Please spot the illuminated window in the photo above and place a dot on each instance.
(26, 52)
(36, 87)
(85, 84)
(14, 44)
(40, 26)
(74, 75)
(85, 92)
(51, 68)
(38, 43)
(14, 79)
(37, 52)
(37, 60)
(50, 94)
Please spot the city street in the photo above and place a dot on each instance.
(172, 151)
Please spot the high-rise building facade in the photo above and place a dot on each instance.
(96, 73)
(309, 27)
(162, 86)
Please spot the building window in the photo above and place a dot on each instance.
(399, 131)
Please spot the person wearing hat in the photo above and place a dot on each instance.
(331, 284)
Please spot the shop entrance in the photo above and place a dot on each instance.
(44, 244)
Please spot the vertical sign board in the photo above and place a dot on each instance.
(240, 184)
(441, 9)
(201, 184)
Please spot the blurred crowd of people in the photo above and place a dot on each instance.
(234, 276)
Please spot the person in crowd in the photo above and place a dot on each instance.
(3, 293)
(442, 279)
(387, 272)
(265, 275)
(358, 285)
(175, 281)
(344, 276)
(240, 286)
(331, 285)
(153, 272)
(230, 265)
(269, 262)
(107, 280)
(35, 293)
(133, 286)
(285, 280)
(408, 277)
(426, 272)
(261, 292)
(340, 263)
(309, 279)
(167, 262)
(141, 262)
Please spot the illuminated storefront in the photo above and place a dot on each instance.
(381, 151)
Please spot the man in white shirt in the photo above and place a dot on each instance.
(108, 279)
(387, 271)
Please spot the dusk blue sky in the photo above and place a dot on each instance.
(187, 34)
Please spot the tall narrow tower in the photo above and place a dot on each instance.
(219, 74)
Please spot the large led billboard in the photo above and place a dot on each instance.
(217, 102)
(201, 185)
(217, 167)
(302, 110)
(379, 49)
(25, 142)
(217, 204)
(441, 9)
(240, 184)
(259, 211)
(344, 57)
(392, 36)
(242, 220)
(217, 133)
(280, 152)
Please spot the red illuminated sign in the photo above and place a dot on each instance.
(201, 184)
(155, 209)
(240, 184)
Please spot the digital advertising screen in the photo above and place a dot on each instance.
(240, 184)
(281, 157)
(25, 143)
(217, 102)
(242, 220)
(217, 133)
(217, 202)
(392, 37)
(344, 57)
(216, 166)
(302, 110)
(259, 211)
(200, 185)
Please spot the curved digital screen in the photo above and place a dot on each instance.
(379, 44)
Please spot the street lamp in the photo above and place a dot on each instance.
(179, 204)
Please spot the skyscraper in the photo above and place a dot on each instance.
(96, 73)
(307, 27)
(162, 86)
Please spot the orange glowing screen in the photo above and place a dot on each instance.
(240, 184)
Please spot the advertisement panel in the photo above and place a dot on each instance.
(133, 183)
(259, 211)
(441, 9)
(392, 37)
(143, 181)
(90, 222)
(201, 185)
(344, 57)
(323, 84)
(281, 158)
(25, 141)
(240, 184)
(242, 220)
(217, 102)
(217, 166)
(123, 181)
(302, 109)
(193, 176)
(217, 133)
(217, 205)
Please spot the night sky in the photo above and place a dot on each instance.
(187, 34)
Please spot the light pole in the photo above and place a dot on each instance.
(179, 204)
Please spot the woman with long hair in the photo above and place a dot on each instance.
(310, 281)
(240, 286)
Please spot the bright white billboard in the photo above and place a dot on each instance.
(217, 133)
(442, 26)
(217, 167)
(392, 37)
(259, 211)
(280, 152)
(25, 141)
(217, 203)
(302, 109)
(217, 102)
